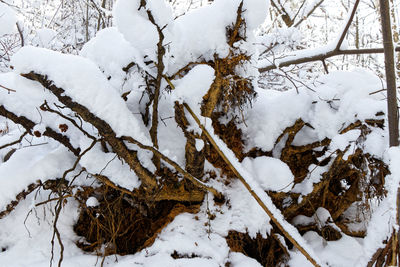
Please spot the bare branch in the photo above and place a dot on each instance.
(21, 196)
(308, 14)
(15, 142)
(157, 89)
(318, 56)
(6, 88)
(21, 34)
(347, 26)
(393, 119)
(282, 11)
(46, 107)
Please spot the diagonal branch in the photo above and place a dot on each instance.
(308, 14)
(347, 26)
(45, 107)
(15, 142)
(6, 88)
(282, 11)
(311, 55)
(299, 10)
(260, 196)
(104, 129)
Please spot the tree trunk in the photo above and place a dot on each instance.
(390, 73)
(393, 119)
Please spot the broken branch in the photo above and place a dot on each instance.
(252, 192)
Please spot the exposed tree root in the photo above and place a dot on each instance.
(352, 178)
(122, 224)
(267, 251)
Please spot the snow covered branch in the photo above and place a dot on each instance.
(103, 127)
(259, 195)
(323, 53)
(311, 55)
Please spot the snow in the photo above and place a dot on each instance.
(132, 23)
(340, 142)
(111, 59)
(40, 163)
(203, 30)
(342, 98)
(287, 106)
(199, 144)
(376, 143)
(169, 130)
(271, 173)
(92, 202)
(8, 19)
(108, 164)
(44, 37)
(197, 33)
(307, 185)
(383, 219)
(238, 260)
(257, 190)
(96, 79)
(191, 88)
(80, 78)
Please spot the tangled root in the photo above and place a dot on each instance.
(121, 224)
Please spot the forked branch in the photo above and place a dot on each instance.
(305, 56)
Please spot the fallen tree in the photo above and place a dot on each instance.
(170, 129)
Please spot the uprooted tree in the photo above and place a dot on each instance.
(170, 115)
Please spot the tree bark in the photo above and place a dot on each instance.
(393, 118)
(390, 73)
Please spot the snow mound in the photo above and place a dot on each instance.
(84, 83)
(271, 173)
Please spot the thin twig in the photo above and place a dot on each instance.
(8, 89)
(322, 56)
(50, 200)
(336, 51)
(15, 142)
(309, 13)
(46, 107)
(59, 205)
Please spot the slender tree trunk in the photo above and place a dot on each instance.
(390, 73)
(393, 119)
(87, 22)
